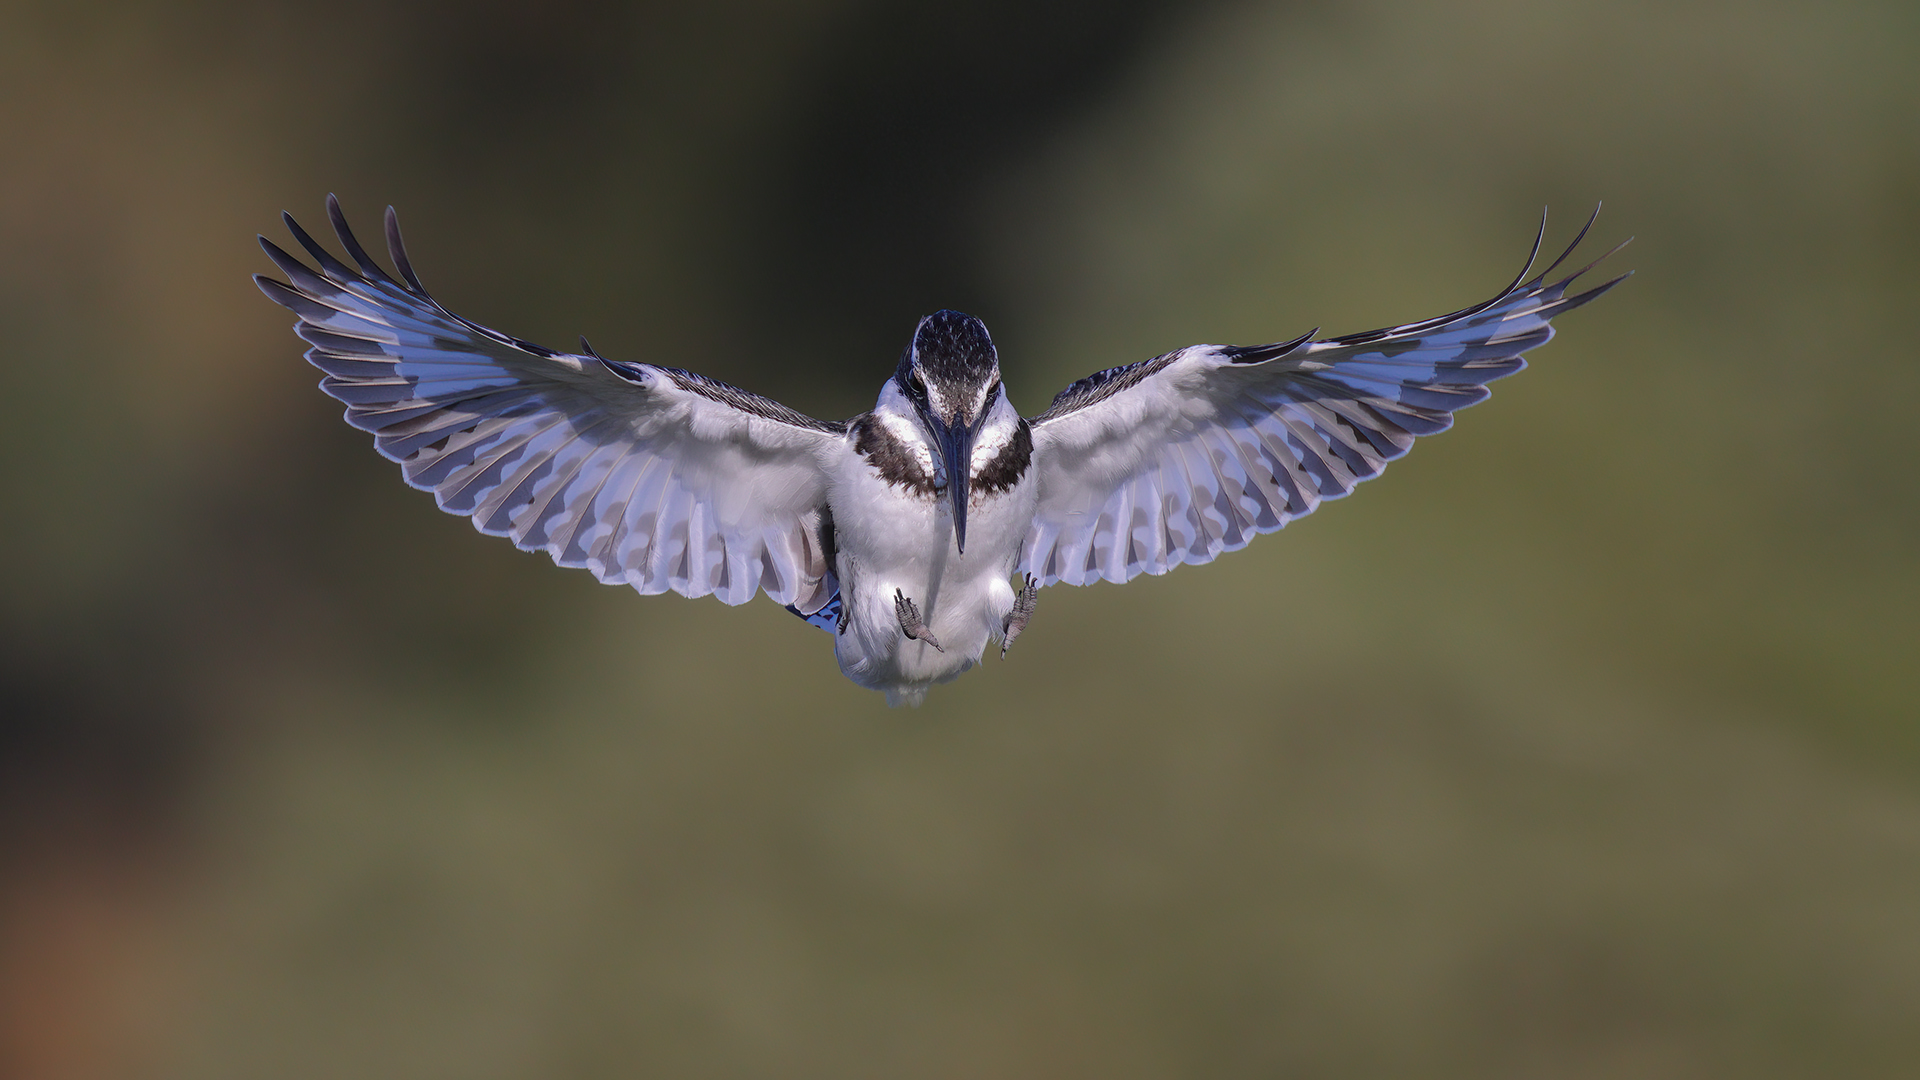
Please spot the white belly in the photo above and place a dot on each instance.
(891, 538)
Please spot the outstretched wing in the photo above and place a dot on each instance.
(1179, 458)
(648, 476)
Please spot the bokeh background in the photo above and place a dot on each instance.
(1584, 743)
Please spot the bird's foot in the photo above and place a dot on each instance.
(1023, 604)
(910, 623)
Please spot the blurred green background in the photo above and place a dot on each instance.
(1585, 743)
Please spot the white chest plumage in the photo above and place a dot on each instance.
(895, 536)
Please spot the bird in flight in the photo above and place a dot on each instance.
(916, 533)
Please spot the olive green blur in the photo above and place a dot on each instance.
(1583, 743)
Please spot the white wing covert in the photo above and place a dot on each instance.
(647, 476)
(1179, 458)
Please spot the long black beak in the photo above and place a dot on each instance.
(956, 451)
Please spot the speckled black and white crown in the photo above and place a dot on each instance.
(954, 355)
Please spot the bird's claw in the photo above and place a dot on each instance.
(910, 623)
(1023, 604)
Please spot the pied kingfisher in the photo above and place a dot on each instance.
(902, 530)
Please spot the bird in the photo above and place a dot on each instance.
(917, 533)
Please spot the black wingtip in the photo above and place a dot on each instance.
(587, 347)
(397, 250)
(1603, 258)
(351, 243)
(1532, 256)
(295, 270)
(1562, 306)
(1260, 354)
(331, 267)
(1595, 292)
(1581, 235)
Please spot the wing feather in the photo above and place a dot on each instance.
(1179, 458)
(647, 476)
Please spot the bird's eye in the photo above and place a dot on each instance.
(916, 384)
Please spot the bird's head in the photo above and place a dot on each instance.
(950, 369)
(950, 374)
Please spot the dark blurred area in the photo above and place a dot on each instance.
(1584, 743)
